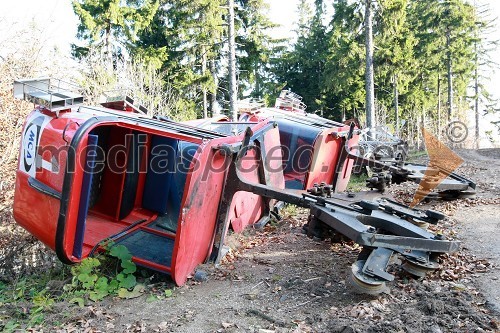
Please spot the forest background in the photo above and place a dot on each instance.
(434, 61)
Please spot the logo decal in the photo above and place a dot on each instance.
(31, 141)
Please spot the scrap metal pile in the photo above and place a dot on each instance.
(170, 191)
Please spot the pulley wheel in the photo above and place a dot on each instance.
(467, 195)
(419, 269)
(362, 283)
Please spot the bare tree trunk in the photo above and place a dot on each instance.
(233, 89)
(396, 102)
(476, 97)
(415, 133)
(450, 77)
(213, 101)
(439, 107)
(109, 55)
(422, 125)
(257, 81)
(203, 71)
(369, 81)
(423, 118)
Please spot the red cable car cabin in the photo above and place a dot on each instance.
(314, 148)
(91, 174)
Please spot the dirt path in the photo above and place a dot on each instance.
(483, 167)
(480, 230)
(479, 227)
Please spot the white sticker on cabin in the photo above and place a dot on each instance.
(30, 142)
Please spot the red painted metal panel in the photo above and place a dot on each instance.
(248, 208)
(327, 149)
(345, 173)
(199, 213)
(327, 164)
(35, 211)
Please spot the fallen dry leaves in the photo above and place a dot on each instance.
(456, 266)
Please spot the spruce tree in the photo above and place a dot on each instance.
(112, 24)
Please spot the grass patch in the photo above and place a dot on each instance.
(289, 211)
(32, 301)
(416, 154)
(357, 183)
(28, 299)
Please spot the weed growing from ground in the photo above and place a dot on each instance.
(96, 278)
(28, 300)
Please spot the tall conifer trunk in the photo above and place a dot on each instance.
(233, 89)
(369, 80)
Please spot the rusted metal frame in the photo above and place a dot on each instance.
(388, 206)
(408, 173)
(233, 183)
(351, 225)
(402, 244)
(347, 220)
(273, 193)
(231, 186)
(394, 225)
(388, 221)
(459, 178)
(417, 173)
(419, 246)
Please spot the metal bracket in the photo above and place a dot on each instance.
(377, 262)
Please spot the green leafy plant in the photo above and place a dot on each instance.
(41, 303)
(96, 278)
(29, 299)
(11, 326)
(289, 211)
(168, 293)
